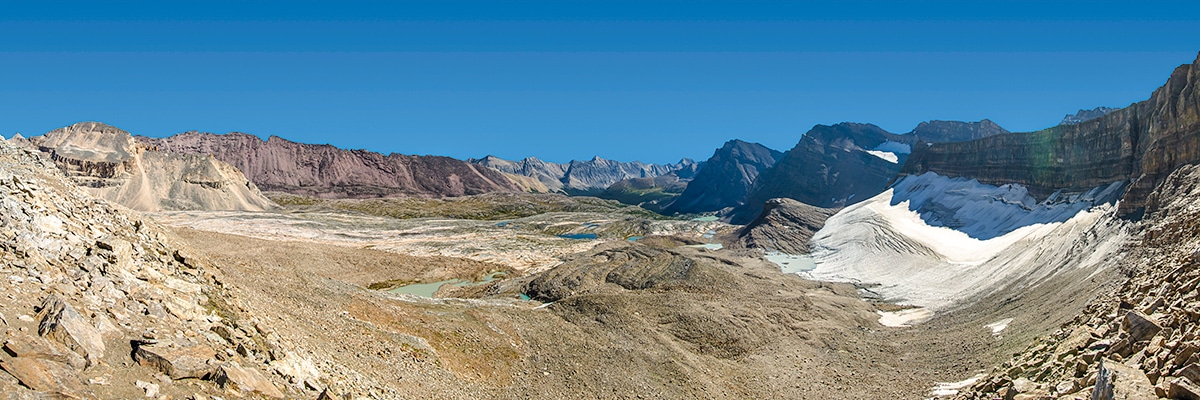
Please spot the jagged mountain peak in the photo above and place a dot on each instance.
(1086, 115)
(938, 131)
(724, 179)
(589, 176)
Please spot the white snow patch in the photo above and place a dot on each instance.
(915, 263)
(885, 155)
(985, 211)
(894, 147)
(904, 318)
(947, 389)
(999, 326)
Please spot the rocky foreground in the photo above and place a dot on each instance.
(1140, 341)
(102, 303)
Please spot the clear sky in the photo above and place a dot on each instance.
(646, 80)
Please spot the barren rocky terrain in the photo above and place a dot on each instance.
(966, 284)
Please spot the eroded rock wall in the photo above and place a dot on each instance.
(326, 171)
(1142, 143)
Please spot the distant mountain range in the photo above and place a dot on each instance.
(1085, 115)
(831, 166)
(584, 177)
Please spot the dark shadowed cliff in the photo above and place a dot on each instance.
(725, 178)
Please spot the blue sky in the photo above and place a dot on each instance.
(646, 80)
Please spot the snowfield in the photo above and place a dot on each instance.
(885, 241)
(885, 155)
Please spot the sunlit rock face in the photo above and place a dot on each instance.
(277, 164)
(110, 164)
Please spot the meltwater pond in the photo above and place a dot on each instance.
(791, 263)
(428, 289)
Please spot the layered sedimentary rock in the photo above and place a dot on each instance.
(590, 176)
(1142, 143)
(725, 178)
(326, 171)
(111, 164)
(785, 225)
(838, 165)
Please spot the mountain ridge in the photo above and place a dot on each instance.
(581, 176)
(327, 171)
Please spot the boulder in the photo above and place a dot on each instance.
(37, 347)
(1139, 326)
(325, 395)
(14, 391)
(240, 380)
(1116, 381)
(1078, 339)
(1192, 372)
(46, 376)
(59, 321)
(1182, 388)
(177, 360)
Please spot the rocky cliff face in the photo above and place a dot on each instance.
(834, 166)
(1142, 143)
(100, 302)
(325, 171)
(111, 165)
(590, 176)
(725, 178)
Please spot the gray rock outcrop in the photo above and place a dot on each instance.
(785, 225)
